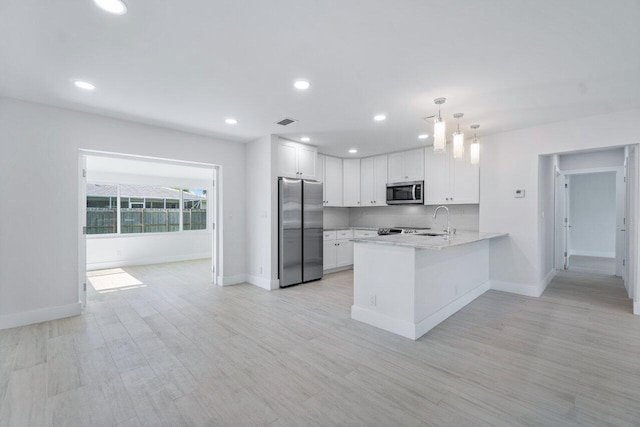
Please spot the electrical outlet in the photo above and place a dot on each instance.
(372, 300)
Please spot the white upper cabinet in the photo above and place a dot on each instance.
(436, 183)
(351, 180)
(406, 166)
(307, 162)
(465, 180)
(296, 160)
(373, 181)
(287, 160)
(332, 182)
(450, 181)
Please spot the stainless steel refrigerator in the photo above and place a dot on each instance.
(300, 231)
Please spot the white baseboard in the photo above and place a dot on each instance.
(594, 254)
(335, 270)
(264, 282)
(547, 279)
(232, 280)
(425, 325)
(416, 330)
(525, 289)
(145, 261)
(636, 307)
(400, 327)
(41, 315)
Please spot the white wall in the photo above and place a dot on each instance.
(546, 213)
(108, 251)
(509, 161)
(39, 162)
(592, 159)
(592, 214)
(462, 217)
(261, 213)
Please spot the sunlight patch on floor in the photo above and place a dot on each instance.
(111, 280)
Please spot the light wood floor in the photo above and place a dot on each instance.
(160, 346)
(592, 264)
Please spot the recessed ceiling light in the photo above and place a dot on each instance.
(305, 139)
(84, 85)
(353, 151)
(423, 136)
(231, 121)
(301, 84)
(379, 117)
(117, 7)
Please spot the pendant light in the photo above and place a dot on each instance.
(474, 148)
(458, 140)
(439, 135)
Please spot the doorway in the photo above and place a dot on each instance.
(136, 210)
(594, 222)
(592, 215)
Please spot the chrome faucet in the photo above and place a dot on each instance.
(448, 227)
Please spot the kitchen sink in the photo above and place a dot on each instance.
(431, 234)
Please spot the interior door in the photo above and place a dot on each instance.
(82, 237)
(621, 227)
(567, 223)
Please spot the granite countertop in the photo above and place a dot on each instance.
(418, 241)
(351, 228)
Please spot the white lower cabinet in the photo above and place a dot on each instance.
(337, 249)
(344, 254)
(329, 250)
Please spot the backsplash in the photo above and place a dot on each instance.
(335, 217)
(463, 217)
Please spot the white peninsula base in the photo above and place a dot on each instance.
(408, 290)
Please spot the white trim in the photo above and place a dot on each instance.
(337, 269)
(619, 168)
(411, 330)
(263, 282)
(384, 322)
(524, 288)
(636, 307)
(425, 325)
(232, 280)
(40, 315)
(611, 255)
(145, 261)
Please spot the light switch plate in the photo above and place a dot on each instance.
(518, 194)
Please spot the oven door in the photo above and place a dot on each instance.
(405, 193)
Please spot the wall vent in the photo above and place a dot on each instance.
(286, 122)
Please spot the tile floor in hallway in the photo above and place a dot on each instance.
(158, 345)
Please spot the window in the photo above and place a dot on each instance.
(102, 204)
(144, 209)
(194, 213)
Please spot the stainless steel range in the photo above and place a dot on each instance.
(401, 230)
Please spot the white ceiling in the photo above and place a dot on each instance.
(190, 64)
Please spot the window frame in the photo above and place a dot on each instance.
(119, 234)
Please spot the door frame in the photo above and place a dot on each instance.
(214, 214)
(562, 205)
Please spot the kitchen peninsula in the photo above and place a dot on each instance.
(409, 283)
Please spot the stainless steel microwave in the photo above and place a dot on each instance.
(405, 193)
